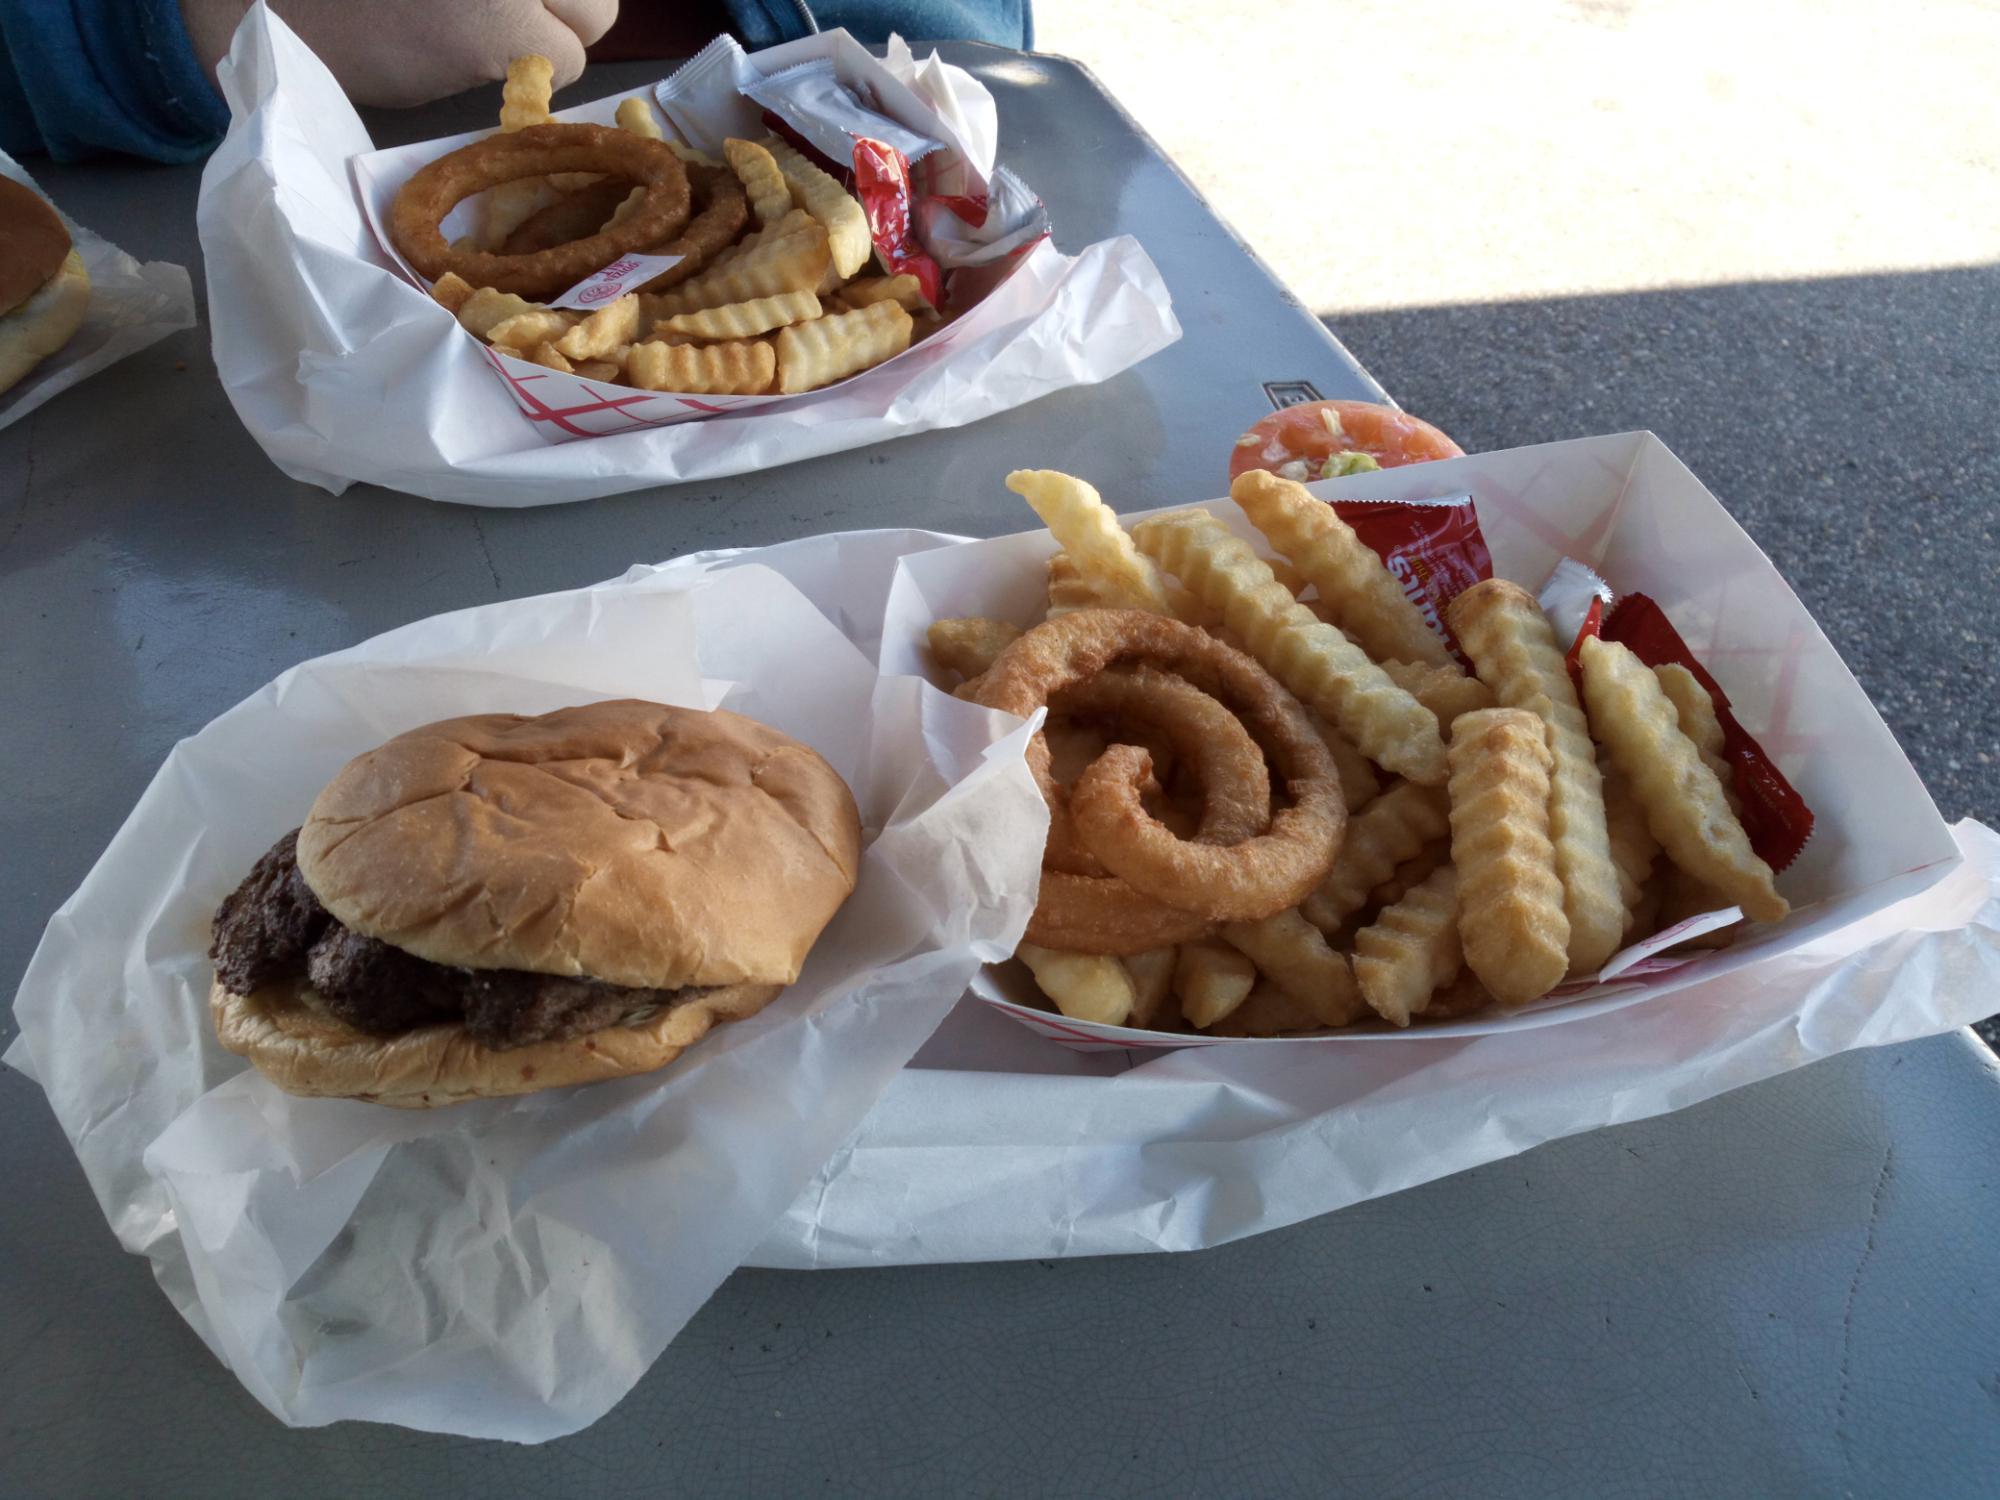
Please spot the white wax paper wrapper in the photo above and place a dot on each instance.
(132, 304)
(961, 101)
(722, 91)
(343, 370)
(508, 1268)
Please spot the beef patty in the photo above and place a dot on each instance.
(272, 928)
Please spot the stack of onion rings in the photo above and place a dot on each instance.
(537, 151)
(1243, 863)
(722, 211)
(573, 216)
(1236, 788)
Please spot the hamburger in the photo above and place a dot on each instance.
(497, 904)
(44, 289)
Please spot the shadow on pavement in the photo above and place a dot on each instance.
(1851, 425)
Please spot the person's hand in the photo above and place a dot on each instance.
(402, 52)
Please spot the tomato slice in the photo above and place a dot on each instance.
(1302, 434)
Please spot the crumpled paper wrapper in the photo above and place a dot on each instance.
(343, 370)
(132, 304)
(509, 1268)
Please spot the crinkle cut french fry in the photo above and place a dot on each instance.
(525, 98)
(789, 263)
(1088, 530)
(1510, 902)
(547, 354)
(527, 93)
(524, 331)
(1290, 952)
(1211, 979)
(1514, 650)
(1464, 996)
(1684, 802)
(451, 291)
(1696, 712)
(1286, 572)
(709, 370)
(1071, 590)
(818, 353)
(1359, 785)
(610, 368)
(795, 222)
(903, 289)
(486, 309)
(822, 196)
(743, 320)
(612, 326)
(1152, 975)
(1392, 828)
(1412, 872)
(1411, 949)
(1269, 1011)
(1084, 986)
(1442, 688)
(1324, 669)
(968, 645)
(1360, 593)
(636, 115)
(763, 183)
(1633, 847)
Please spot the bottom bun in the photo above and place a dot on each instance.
(44, 323)
(305, 1051)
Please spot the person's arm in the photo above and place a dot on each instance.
(91, 76)
(82, 77)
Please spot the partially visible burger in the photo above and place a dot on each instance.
(44, 289)
(496, 904)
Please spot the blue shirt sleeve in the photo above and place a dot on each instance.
(1006, 23)
(80, 78)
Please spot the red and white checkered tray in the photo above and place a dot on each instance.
(1631, 510)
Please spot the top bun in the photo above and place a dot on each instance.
(627, 842)
(33, 244)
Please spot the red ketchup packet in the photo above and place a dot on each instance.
(1775, 816)
(882, 183)
(879, 175)
(1433, 548)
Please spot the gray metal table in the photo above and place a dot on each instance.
(1785, 1291)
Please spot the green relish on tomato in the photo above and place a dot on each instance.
(1329, 439)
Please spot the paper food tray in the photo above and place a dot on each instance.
(564, 406)
(343, 368)
(1629, 508)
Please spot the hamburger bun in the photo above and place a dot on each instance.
(303, 1050)
(624, 842)
(44, 289)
